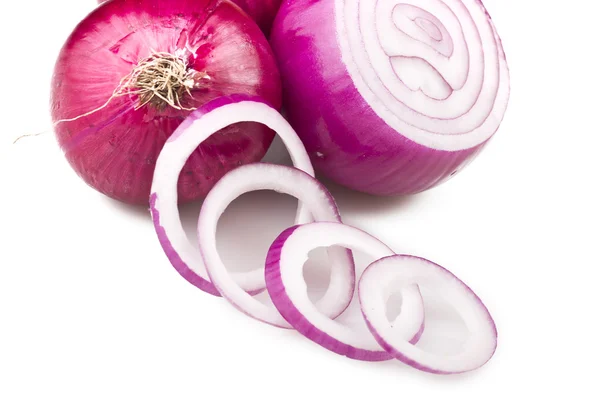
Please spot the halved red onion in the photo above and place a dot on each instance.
(198, 127)
(391, 96)
(316, 199)
(287, 289)
(397, 272)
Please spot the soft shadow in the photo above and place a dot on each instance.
(139, 212)
(250, 225)
(398, 369)
(247, 228)
(359, 202)
(188, 213)
(347, 199)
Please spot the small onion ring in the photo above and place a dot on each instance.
(399, 271)
(313, 196)
(287, 289)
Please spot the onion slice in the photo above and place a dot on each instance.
(311, 194)
(287, 289)
(199, 126)
(399, 271)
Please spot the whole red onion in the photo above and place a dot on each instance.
(262, 11)
(125, 59)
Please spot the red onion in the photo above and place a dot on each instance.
(314, 196)
(288, 290)
(387, 274)
(391, 96)
(261, 11)
(198, 128)
(123, 49)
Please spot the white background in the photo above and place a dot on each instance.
(90, 307)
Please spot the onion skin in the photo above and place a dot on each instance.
(287, 290)
(293, 315)
(180, 266)
(263, 12)
(346, 139)
(114, 149)
(423, 271)
(202, 124)
(318, 202)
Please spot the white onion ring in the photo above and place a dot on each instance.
(200, 125)
(314, 197)
(395, 273)
(287, 289)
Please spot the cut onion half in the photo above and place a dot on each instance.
(314, 197)
(200, 125)
(399, 271)
(391, 97)
(287, 289)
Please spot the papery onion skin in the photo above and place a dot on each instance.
(348, 141)
(115, 149)
(263, 12)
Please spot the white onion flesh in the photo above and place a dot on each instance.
(431, 69)
(287, 289)
(396, 273)
(198, 127)
(314, 197)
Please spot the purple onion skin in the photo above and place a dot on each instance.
(411, 362)
(263, 12)
(114, 150)
(178, 263)
(180, 266)
(290, 313)
(346, 140)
